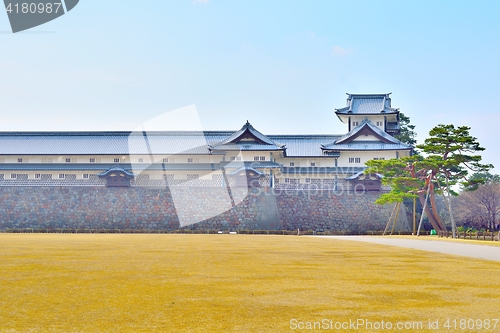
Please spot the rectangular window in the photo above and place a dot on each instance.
(13, 175)
(85, 176)
(262, 158)
(19, 160)
(379, 123)
(38, 176)
(256, 158)
(287, 180)
(355, 123)
(68, 160)
(169, 177)
(165, 160)
(292, 164)
(379, 158)
(308, 180)
(313, 164)
(61, 176)
(233, 158)
(116, 160)
(92, 160)
(357, 160)
(190, 160)
(141, 160)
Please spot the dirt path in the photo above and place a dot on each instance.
(467, 250)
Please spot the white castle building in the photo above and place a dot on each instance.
(245, 157)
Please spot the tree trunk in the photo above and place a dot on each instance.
(429, 213)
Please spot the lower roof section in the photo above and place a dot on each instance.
(135, 167)
(321, 170)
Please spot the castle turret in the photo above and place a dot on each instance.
(374, 107)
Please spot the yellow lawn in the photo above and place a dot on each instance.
(234, 283)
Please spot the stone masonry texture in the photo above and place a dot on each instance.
(193, 208)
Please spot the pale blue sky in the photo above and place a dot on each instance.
(283, 65)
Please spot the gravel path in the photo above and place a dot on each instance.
(467, 250)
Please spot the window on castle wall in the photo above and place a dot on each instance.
(292, 164)
(13, 176)
(85, 176)
(354, 160)
(313, 164)
(190, 160)
(141, 160)
(61, 176)
(116, 160)
(38, 176)
(92, 160)
(19, 160)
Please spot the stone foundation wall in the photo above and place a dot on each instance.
(194, 208)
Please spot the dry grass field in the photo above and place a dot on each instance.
(235, 283)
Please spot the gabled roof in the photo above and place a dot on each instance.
(346, 142)
(247, 138)
(116, 168)
(359, 174)
(364, 104)
(366, 127)
(248, 131)
(246, 169)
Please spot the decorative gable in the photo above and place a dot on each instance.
(366, 129)
(247, 138)
(117, 177)
(364, 137)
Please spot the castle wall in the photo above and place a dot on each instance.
(218, 209)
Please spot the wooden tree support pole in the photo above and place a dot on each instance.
(423, 210)
(398, 208)
(414, 216)
(389, 222)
